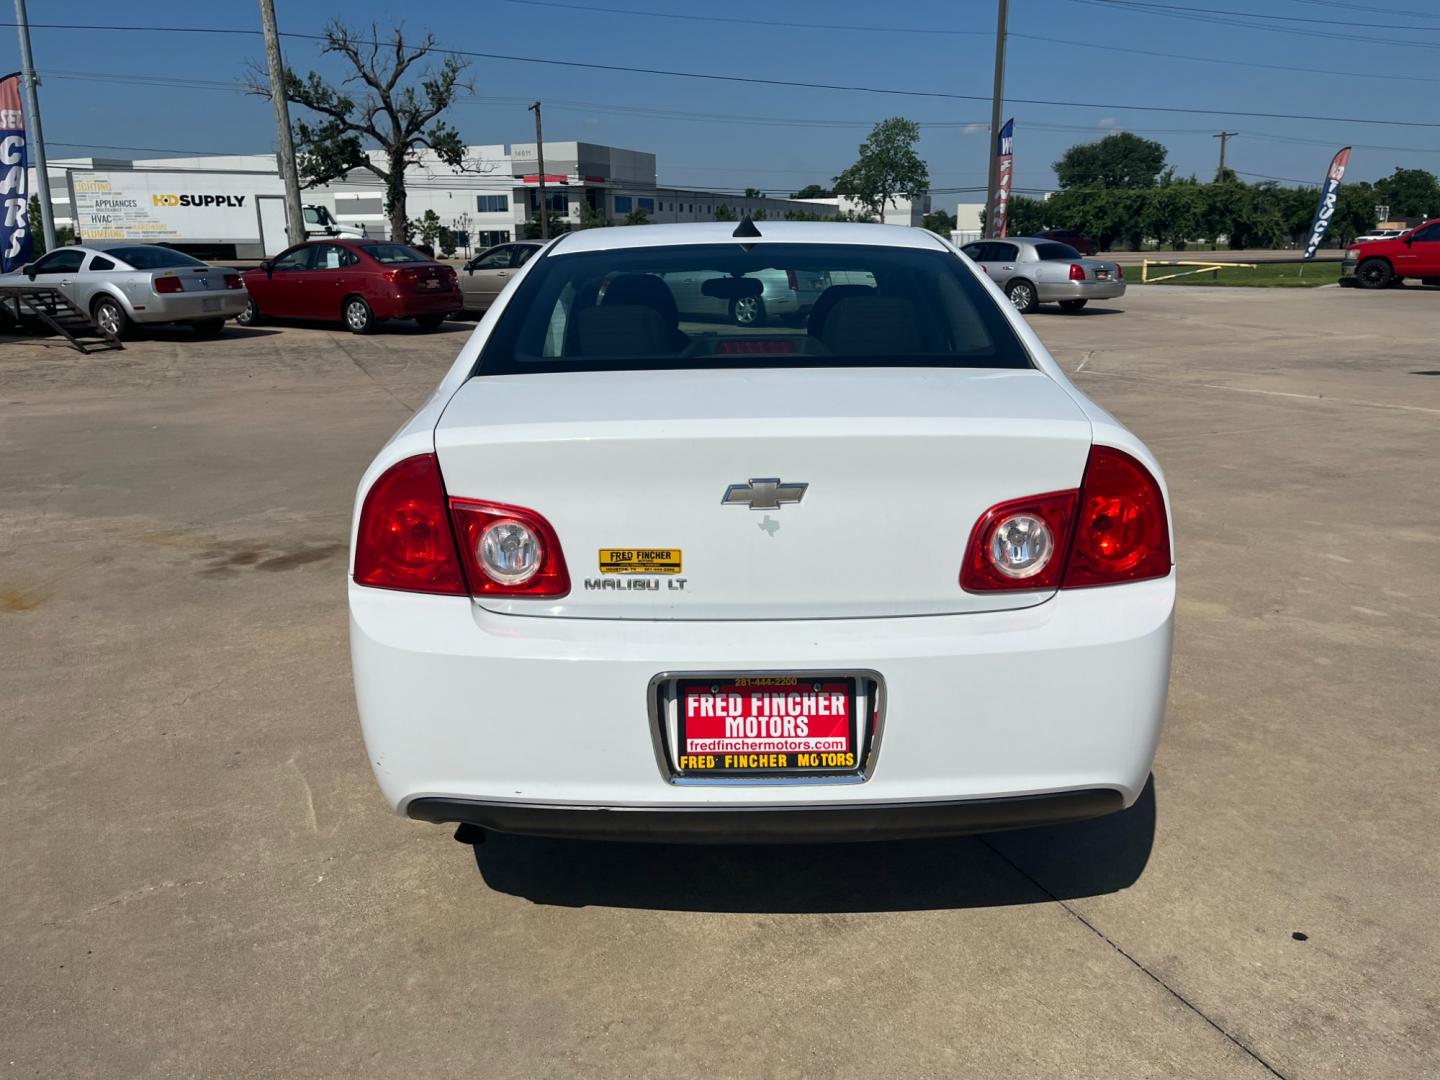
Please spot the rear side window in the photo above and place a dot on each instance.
(1056, 251)
(153, 257)
(99, 262)
(776, 305)
(393, 253)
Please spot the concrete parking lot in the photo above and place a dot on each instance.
(200, 878)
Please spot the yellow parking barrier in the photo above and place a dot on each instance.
(1204, 268)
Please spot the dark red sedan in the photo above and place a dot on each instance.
(360, 283)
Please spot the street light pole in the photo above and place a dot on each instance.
(997, 104)
(284, 141)
(540, 161)
(32, 122)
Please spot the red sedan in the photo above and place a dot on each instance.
(359, 282)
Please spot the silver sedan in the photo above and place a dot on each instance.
(1032, 272)
(119, 284)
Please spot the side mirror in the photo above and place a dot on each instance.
(1409, 239)
(268, 266)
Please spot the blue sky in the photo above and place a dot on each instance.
(90, 98)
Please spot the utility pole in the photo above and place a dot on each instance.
(540, 160)
(1224, 137)
(32, 122)
(996, 105)
(284, 141)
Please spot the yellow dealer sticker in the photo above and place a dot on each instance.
(640, 560)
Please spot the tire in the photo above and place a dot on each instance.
(251, 315)
(1072, 305)
(357, 316)
(110, 317)
(747, 311)
(1374, 274)
(1022, 295)
(208, 327)
(429, 322)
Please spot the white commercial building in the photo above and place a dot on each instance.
(489, 198)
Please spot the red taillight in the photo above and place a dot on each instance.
(791, 280)
(1119, 271)
(404, 539)
(1121, 532)
(981, 572)
(1077, 272)
(232, 281)
(168, 285)
(1114, 529)
(545, 576)
(398, 276)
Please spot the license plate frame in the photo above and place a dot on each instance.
(210, 303)
(865, 692)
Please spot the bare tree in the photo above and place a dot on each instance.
(371, 106)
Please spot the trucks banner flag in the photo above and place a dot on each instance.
(17, 243)
(1329, 193)
(1004, 174)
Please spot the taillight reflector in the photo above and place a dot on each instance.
(472, 518)
(168, 285)
(232, 281)
(407, 275)
(1120, 271)
(1077, 272)
(1113, 529)
(404, 540)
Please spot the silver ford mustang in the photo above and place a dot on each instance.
(1032, 272)
(121, 283)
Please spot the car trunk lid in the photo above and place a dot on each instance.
(898, 466)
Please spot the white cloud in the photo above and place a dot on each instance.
(972, 129)
(1107, 122)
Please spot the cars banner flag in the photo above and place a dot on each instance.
(1005, 173)
(17, 244)
(1329, 193)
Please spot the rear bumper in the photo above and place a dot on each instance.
(181, 308)
(773, 824)
(409, 305)
(517, 719)
(1054, 291)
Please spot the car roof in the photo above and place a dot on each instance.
(722, 232)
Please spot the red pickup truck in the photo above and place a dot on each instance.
(1378, 264)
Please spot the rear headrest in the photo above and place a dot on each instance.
(620, 330)
(644, 289)
(872, 326)
(827, 300)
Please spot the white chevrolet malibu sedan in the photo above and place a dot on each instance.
(876, 570)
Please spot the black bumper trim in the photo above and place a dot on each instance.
(772, 824)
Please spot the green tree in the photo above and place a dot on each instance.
(1354, 211)
(1410, 193)
(427, 229)
(724, 213)
(889, 165)
(558, 224)
(940, 223)
(64, 234)
(592, 217)
(402, 120)
(1121, 160)
(447, 242)
(812, 191)
(637, 217)
(754, 193)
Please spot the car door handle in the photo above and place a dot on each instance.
(1007, 268)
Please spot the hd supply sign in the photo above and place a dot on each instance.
(17, 241)
(159, 206)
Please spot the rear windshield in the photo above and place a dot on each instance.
(1055, 250)
(776, 305)
(393, 253)
(152, 258)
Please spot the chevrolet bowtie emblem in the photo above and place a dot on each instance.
(763, 494)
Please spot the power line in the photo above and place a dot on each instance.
(757, 81)
(809, 26)
(1230, 13)
(1243, 23)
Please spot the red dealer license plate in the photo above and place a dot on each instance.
(772, 724)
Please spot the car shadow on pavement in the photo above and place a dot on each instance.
(1027, 866)
(1083, 313)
